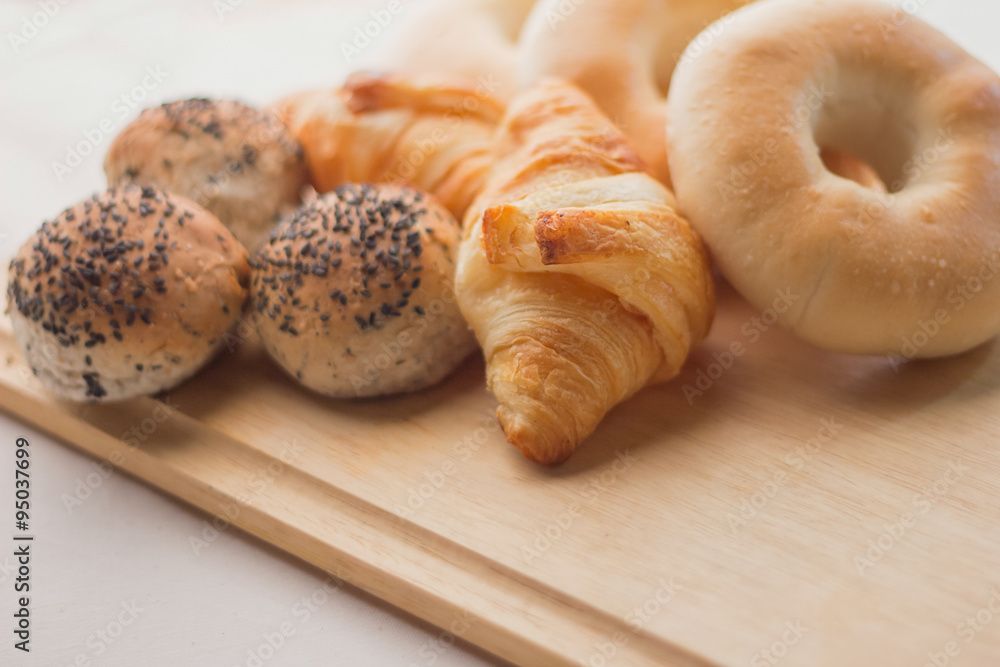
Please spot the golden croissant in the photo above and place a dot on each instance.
(580, 280)
(425, 132)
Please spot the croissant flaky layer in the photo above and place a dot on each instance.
(378, 128)
(582, 283)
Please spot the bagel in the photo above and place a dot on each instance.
(904, 263)
(621, 52)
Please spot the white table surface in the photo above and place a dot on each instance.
(126, 545)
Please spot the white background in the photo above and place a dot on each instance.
(127, 543)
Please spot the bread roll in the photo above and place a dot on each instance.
(355, 296)
(127, 293)
(239, 163)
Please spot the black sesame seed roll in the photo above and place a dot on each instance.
(355, 292)
(127, 293)
(238, 162)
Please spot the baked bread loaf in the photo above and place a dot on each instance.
(898, 258)
(582, 283)
(239, 163)
(622, 53)
(355, 294)
(424, 132)
(125, 294)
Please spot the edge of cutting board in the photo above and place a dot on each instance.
(510, 615)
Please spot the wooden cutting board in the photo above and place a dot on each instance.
(779, 505)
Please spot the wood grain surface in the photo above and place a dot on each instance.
(774, 504)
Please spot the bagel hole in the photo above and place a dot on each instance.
(865, 129)
(852, 168)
